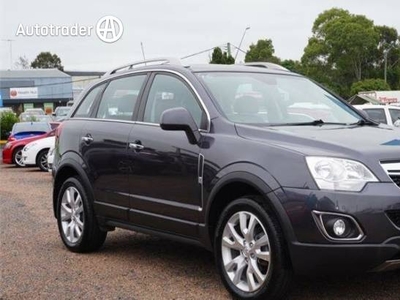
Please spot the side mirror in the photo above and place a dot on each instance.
(180, 119)
(53, 114)
(364, 114)
(7, 134)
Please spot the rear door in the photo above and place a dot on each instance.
(104, 145)
(164, 183)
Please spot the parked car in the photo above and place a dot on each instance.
(175, 151)
(50, 158)
(23, 130)
(35, 153)
(12, 151)
(385, 114)
(61, 112)
(35, 111)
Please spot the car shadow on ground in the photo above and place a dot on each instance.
(197, 262)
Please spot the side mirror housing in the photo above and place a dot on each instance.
(179, 119)
(53, 114)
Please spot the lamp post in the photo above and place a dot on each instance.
(10, 41)
(240, 44)
(385, 55)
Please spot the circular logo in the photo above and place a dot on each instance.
(109, 29)
(13, 93)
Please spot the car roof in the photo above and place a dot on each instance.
(371, 106)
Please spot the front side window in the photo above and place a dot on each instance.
(395, 114)
(273, 99)
(86, 104)
(170, 92)
(120, 98)
(377, 114)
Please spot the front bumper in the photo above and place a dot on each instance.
(29, 157)
(7, 157)
(312, 251)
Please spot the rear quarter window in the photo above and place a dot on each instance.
(85, 107)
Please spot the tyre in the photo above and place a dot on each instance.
(17, 157)
(250, 251)
(76, 221)
(41, 160)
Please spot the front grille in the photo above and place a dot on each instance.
(393, 170)
(394, 216)
(396, 179)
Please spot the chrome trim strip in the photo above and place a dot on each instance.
(317, 215)
(116, 75)
(391, 168)
(388, 265)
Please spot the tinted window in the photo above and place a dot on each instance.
(120, 97)
(87, 103)
(377, 114)
(395, 114)
(169, 92)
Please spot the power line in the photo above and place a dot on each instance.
(201, 52)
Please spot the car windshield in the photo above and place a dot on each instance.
(63, 111)
(23, 127)
(273, 99)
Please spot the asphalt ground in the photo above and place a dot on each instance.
(34, 263)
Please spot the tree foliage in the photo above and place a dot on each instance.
(345, 48)
(7, 121)
(262, 51)
(222, 58)
(369, 85)
(46, 60)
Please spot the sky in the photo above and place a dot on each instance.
(170, 28)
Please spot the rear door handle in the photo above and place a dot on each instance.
(87, 139)
(137, 145)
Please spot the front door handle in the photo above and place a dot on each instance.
(137, 145)
(87, 139)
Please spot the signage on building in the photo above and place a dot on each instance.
(24, 93)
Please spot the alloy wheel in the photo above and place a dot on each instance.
(72, 214)
(246, 251)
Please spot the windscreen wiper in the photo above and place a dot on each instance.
(363, 122)
(311, 123)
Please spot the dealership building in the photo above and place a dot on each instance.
(35, 88)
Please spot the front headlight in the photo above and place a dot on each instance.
(339, 174)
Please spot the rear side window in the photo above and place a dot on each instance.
(120, 98)
(86, 104)
(377, 114)
(395, 114)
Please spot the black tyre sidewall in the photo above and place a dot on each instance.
(270, 288)
(84, 244)
(15, 154)
(39, 158)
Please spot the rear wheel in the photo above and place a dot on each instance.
(17, 157)
(250, 252)
(76, 221)
(41, 160)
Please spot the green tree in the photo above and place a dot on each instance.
(292, 65)
(222, 58)
(46, 60)
(262, 51)
(369, 85)
(341, 49)
(7, 120)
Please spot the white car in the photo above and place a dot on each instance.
(50, 158)
(35, 153)
(385, 114)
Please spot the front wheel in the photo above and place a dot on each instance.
(76, 221)
(250, 251)
(17, 157)
(41, 160)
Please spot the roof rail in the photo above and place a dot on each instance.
(267, 65)
(161, 61)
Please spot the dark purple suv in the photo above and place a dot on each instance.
(262, 166)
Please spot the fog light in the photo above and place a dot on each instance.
(339, 227)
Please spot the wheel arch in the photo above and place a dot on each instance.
(69, 168)
(254, 181)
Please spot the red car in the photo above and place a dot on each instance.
(12, 151)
